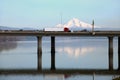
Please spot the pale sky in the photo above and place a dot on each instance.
(47, 13)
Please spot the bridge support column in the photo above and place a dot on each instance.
(110, 50)
(52, 53)
(39, 52)
(118, 53)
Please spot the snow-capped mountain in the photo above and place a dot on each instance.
(76, 23)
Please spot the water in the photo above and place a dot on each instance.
(51, 77)
(71, 53)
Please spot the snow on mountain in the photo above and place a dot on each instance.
(76, 23)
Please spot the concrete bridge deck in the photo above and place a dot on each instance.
(43, 33)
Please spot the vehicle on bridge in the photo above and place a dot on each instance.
(57, 29)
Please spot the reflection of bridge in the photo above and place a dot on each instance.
(39, 34)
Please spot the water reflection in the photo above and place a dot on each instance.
(55, 77)
(8, 42)
(96, 60)
(8, 45)
(68, 54)
(9, 38)
(76, 52)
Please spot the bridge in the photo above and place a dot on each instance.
(49, 33)
(40, 34)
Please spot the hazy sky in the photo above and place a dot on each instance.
(43, 13)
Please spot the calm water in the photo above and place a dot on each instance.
(71, 52)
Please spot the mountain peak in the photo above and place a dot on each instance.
(75, 23)
(75, 19)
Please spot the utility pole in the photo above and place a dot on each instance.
(93, 26)
(93, 33)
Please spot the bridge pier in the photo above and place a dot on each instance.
(39, 52)
(110, 51)
(118, 53)
(52, 52)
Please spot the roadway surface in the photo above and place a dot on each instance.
(44, 33)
